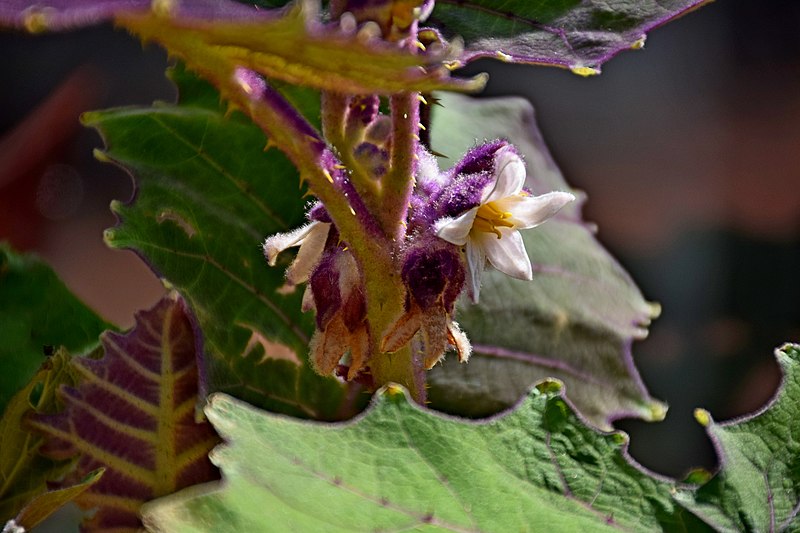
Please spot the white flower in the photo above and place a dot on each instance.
(490, 230)
(311, 240)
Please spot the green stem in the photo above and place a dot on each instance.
(399, 182)
(334, 115)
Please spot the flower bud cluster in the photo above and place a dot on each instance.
(458, 221)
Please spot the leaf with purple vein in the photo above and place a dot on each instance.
(133, 413)
(575, 321)
(757, 487)
(573, 34)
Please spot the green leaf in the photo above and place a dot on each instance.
(23, 472)
(400, 467)
(132, 412)
(46, 504)
(207, 196)
(290, 45)
(575, 321)
(36, 311)
(757, 487)
(574, 34)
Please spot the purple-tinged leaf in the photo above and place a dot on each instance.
(58, 15)
(574, 34)
(291, 44)
(757, 487)
(133, 413)
(575, 321)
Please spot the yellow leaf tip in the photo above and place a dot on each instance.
(585, 71)
(703, 417)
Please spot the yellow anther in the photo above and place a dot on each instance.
(327, 175)
(422, 99)
(420, 45)
(422, 126)
(339, 166)
(489, 218)
(352, 211)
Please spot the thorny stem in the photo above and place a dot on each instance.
(399, 182)
(334, 115)
(384, 288)
(352, 214)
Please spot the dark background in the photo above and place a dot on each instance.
(689, 150)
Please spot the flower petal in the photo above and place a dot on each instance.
(459, 340)
(281, 241)
(476, 261)
(509, 172)
(455, 230)
(507, 254)
(311, 247)
(530, 211)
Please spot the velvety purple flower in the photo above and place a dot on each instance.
(489, 230)
(433, 273)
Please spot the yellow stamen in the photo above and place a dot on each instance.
(489, 218)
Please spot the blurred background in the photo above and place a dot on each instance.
(688, 149)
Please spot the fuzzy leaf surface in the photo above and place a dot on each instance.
(207, 196)
(400, 467)
(575, 321)
(132, 412)
(37, 310)
(574, 34)
(23, 472)
(758, 485)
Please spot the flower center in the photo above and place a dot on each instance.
(489, 218)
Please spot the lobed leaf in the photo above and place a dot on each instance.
(206, 197)
(23, 472)
(577, 319)
(574, 34)
(757, 487)
(400, 467)
(37, 311)
(133, 413)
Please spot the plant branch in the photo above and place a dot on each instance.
(399, 182)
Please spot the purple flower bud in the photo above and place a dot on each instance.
(325, 288)
(457, 190)
(318, 213)
(374, 159)
(434, 275)
(362, 111)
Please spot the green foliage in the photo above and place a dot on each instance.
(206, 196)
(37, 311)
(23, 472)
(758, 485)
(401, 467)
(45, 504)
(575, 321)
(293, 46)
(537, 467)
